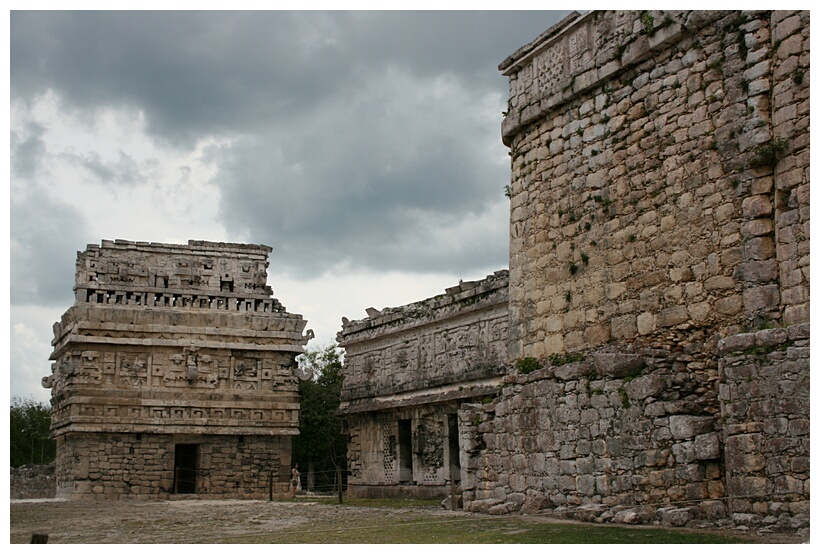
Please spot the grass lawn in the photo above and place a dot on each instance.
(377, 526)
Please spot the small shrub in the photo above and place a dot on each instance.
(527, 365)
(648, 22)
(769, 153)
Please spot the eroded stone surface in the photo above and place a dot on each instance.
(171, 348)
(657, 164)
(406, 371)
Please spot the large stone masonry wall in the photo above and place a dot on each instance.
(660, 177)
(412, 366)
(119, 466)
(659, 203)
(167, 341)
(625, 438)
(790, 120)
(595, 438)
(765, 397)
(32, 481)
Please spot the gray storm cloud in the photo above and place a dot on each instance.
(365, 136)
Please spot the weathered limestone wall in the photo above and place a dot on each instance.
(622, 438)
(453, 337)
(659, 177)
(406, 370)
(377, 472)
(118, 466)
(166, 341)
(790, 120)
(607, 433)
(765, 397)
(659, 202)
(32, 481)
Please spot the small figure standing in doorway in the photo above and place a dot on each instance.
(295, 481)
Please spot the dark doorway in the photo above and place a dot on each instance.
(452, 432)
(185, 466)
(405, 451)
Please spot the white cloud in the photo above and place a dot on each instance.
(126, 184)
(30, 347)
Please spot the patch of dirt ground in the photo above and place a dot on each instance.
(255, 521)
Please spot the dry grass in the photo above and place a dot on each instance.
(315, 522)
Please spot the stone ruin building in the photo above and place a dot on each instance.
(174, 373)
(657, 364)
(407, 370)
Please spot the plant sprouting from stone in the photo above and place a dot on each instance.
(527, 365)
(769, 153)
(648, 22)
(566, 358)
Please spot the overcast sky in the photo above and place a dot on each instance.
(364, 147)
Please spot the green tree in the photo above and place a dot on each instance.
(29, 435)
(321, 448)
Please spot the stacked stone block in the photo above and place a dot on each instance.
(116, 466)
(644, 149)
(604, 435)
(790, 120)
(765, 399)
(32, 481)
(659, 202)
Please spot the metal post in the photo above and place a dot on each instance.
(452, 487)
(339, 482)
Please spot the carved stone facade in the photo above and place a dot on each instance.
(406, 372)
(174, 371)
(659, 221)
(658, 336)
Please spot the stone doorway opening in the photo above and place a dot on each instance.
(185, 468)
(454, 449)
